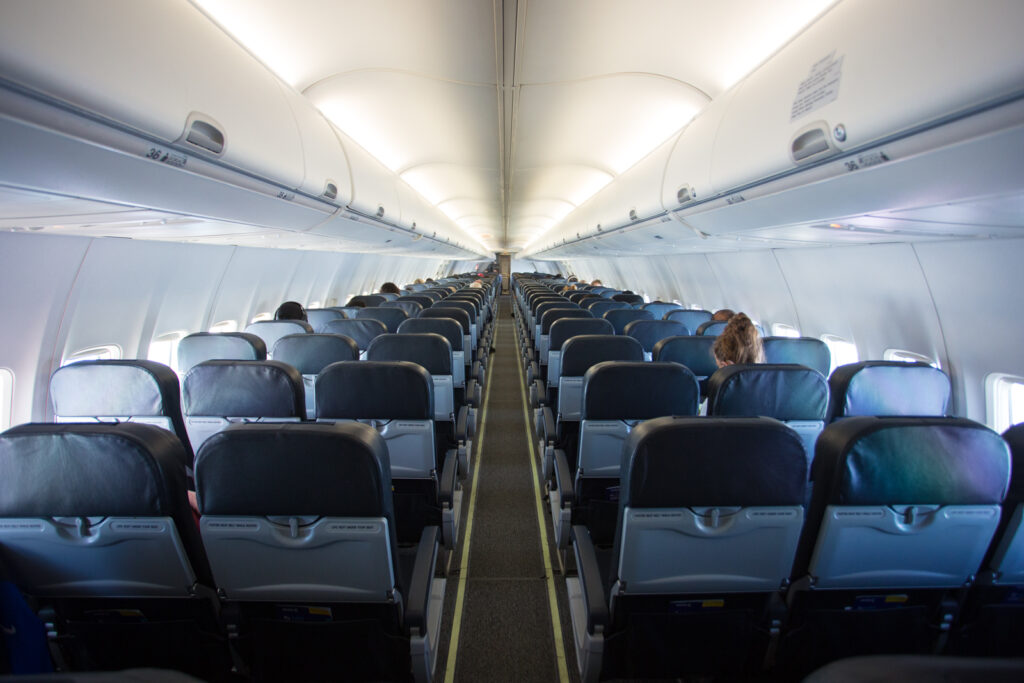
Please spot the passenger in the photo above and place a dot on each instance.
(596, 283)
(390, 288)
(429, 281)
(723, 315)
(739, 343)
(418, 281)
(476, 284)
(290, 310)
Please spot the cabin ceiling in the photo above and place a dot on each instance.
(507, 115)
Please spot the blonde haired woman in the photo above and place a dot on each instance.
(739, 343)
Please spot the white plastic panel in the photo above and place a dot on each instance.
(324, 158)
(152, 82)
(880, 547)
(683, 550)
(689, 163)
(373, 185)
(959, 55)
(601, 444)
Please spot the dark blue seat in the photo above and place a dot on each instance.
(300, 527)
(709, 514)
(362, 331)
(96, 528)
(601, 306)
(317, 317)
(901, 515)
(650, 332)
(879, 387)
(311, 353)
(694, 352)
(809, 351)
(195, 348)
(411, 308)
(272, 330)
(691, 317)
(367, 300)
(391, 317)
(619, 318)
(661, 308)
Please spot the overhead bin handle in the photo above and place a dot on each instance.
(811, 142)
(203, 132)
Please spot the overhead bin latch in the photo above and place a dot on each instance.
(812, 142)
(203, 132)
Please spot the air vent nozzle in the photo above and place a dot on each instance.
(331, 190)
(685, 194)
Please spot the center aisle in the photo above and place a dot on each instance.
(505, 628)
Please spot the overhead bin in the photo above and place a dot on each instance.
(687, 173)
(374, 187)
(161, 68)
(864, 71)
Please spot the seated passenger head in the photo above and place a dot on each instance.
(572, 278)
(390, 288)
(290, 310)
(723, 314)
(739, 343)
(596, 283)
(418, 281)
(476, 284)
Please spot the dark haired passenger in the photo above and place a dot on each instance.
(390, 288)
(723, 314)
(290, 310)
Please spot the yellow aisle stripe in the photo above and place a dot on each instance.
(556, 621)
(460, 597)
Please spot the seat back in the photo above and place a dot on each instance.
(411, 308)
(619, 318)
(460, 316)
(391, 317)
(631, 299)
(713, 328)
(902, 503)
(601, 306)
(428, 350)
(691, 317)
(346, 311)
(543, 341)
(424, 300)
(878, 387)
(220, 392)
(617, 395)
(311, 353)
(694, 352)
(450, 330)
(809, 351)
(650, 332)
(563, 330)
(366, 300)
(708, 505)
(195, 348)
(362, 331)
(120, 391)
(660, 308)
(579, 354)
(793, 394)
(1006, 558)
(543, 307)
(395, 397)
(271, 535)
(317, 317)
(272, 330)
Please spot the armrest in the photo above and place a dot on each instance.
(538, 394)
(471, 393)
(461, 425)
(563, 479)
(449, 479)
(532, 372)
(419, 585)
(590, 580)
(546, 425)
(477, 371)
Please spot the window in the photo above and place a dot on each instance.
(1005, 400)
(696, 307)
(6, 397)
(164, 349)
(908, 357)
(784, 330)
(843, 352)
(315, 304)
(104, 352)
(225, 326)
(265, 315)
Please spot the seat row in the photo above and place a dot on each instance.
(296, 569)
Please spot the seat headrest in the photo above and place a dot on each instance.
(712, 328)
(446, 327)
(660, 308)
(809, 351)
(452, 302)
(430, 350)
(391, 317)
(316, 317)
(628, 298)
(275, 329)
(910, 460)
(92, 470)
(442, 311)
(361, 331)
(878, 387)
(367, 300)
(115, 388)
(565, 328)
(311, 353)
(635, 390)
(193, 349)
(692, 318)
(785, 392)
(693, 352)
(244, 388)
(601, 306)
(411, 308)
(549, 317)
(650, 332)
(713, 461)
(622, 317)
(348, 462)
(581, 352)
(382, 390)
